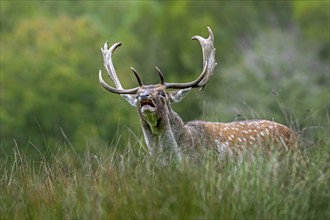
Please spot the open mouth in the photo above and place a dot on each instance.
(147, 105)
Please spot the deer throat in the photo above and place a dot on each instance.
(152, 120)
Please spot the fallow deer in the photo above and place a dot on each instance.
(164, 129)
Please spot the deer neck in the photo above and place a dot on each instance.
(162, 133)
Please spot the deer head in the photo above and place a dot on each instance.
(153, 100)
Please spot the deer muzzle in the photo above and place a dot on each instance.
(146, 103)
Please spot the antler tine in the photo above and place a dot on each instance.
(161, 76)
(209, 63)
(107, 62)
(137, 76)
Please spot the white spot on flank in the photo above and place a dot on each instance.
(267, 132)
(245, 132)
(262, 133)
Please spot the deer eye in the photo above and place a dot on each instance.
(161, 93)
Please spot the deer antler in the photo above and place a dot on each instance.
(138, 78)
(107, 62)
(209, 64)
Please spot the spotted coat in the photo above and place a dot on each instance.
(234, 136)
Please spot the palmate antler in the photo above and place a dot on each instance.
(209, 65)
(107, 62)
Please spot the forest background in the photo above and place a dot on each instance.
(273, 63)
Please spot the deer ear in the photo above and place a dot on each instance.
(178, 95)
(131, 99)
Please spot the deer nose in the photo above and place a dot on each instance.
(144, 95)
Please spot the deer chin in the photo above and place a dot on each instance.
(148, 108)
(147, 105)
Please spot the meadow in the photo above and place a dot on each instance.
(124, 182)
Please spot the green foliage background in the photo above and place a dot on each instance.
(273, 63)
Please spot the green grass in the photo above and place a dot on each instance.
(126, 183)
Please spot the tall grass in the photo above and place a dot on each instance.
(125, 183)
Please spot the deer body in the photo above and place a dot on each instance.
(163, 129)
(167, 131)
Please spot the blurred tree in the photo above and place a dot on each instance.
(276, 67)
(48, 93)
(313, 19)
(12, 12)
